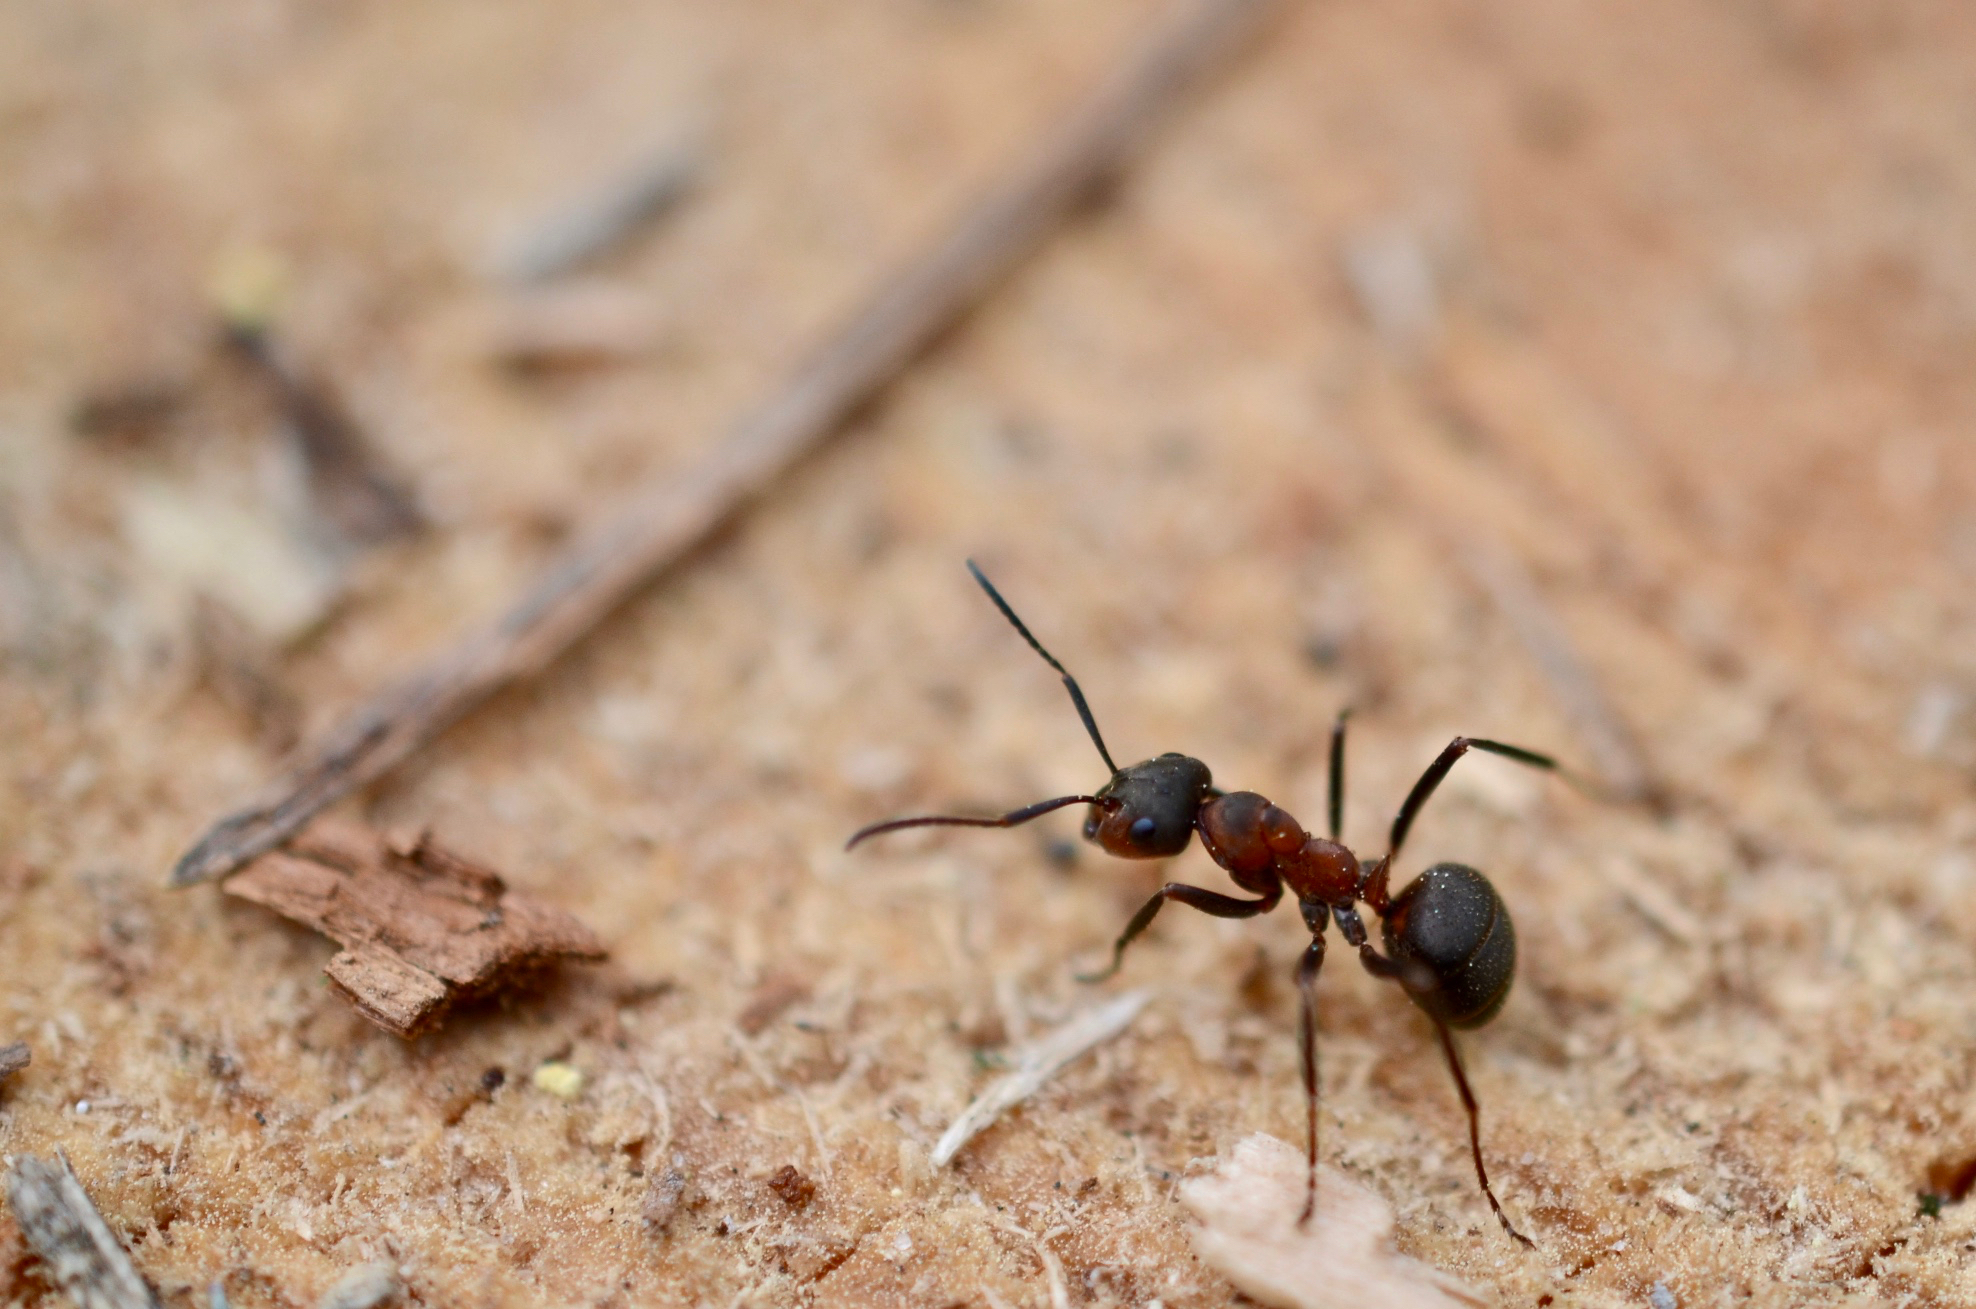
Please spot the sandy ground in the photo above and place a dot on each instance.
(1674, 305)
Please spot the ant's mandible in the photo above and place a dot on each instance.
(1449, 941)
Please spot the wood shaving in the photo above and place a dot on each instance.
(422, 928)
(1036, 1064)
(364, 1288)
(1342, 1259)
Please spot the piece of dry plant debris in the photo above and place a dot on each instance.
(421, 928)
(355, 495)
(364, 1287)
(13, 1058)
(61, 1225)
(1036, 1064)
(1341, 1259)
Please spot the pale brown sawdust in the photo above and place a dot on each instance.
(1707, 289)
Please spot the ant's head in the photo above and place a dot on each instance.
(1146, 811)
(1150, 807)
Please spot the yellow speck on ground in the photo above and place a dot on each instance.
(559, 1080)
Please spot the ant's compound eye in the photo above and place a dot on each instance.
(1142, 830)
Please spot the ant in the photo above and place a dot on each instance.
(1450, 944)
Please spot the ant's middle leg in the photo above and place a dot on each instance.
(1307, 1052)
(1194, 897)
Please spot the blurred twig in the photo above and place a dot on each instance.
(363, 503)
(78, 1248)
(587, 227)
(1615, 753)
(905, 314)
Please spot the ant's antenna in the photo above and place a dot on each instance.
(1069, 682)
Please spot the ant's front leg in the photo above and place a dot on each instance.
(1436, 771)
(1195, 897)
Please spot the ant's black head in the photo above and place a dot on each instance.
(1151, 808)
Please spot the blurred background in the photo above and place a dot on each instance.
(1589, 376)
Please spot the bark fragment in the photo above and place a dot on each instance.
(421, 928)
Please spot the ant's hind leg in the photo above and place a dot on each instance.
(1194, 897)
(1307, 1051)
(1380, 966)
(1475, 1129)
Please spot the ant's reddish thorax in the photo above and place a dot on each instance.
(1249, 836)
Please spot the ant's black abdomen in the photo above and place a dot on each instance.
(1450, 923)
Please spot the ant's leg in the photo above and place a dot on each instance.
(1437, 770)
(1014, 818)
(1380, 966)
(1194, 897)
(1307, 1049)
(1475, 1129)
(1338, 773)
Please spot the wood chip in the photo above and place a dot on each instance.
(1343, 1259)
(792, 1188)
(422, 928)
(663, 1197)
(776, 993)
(364, 1287)
(80, 1252)
(1036, 1064)
(13, 1058)
(573, 326)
